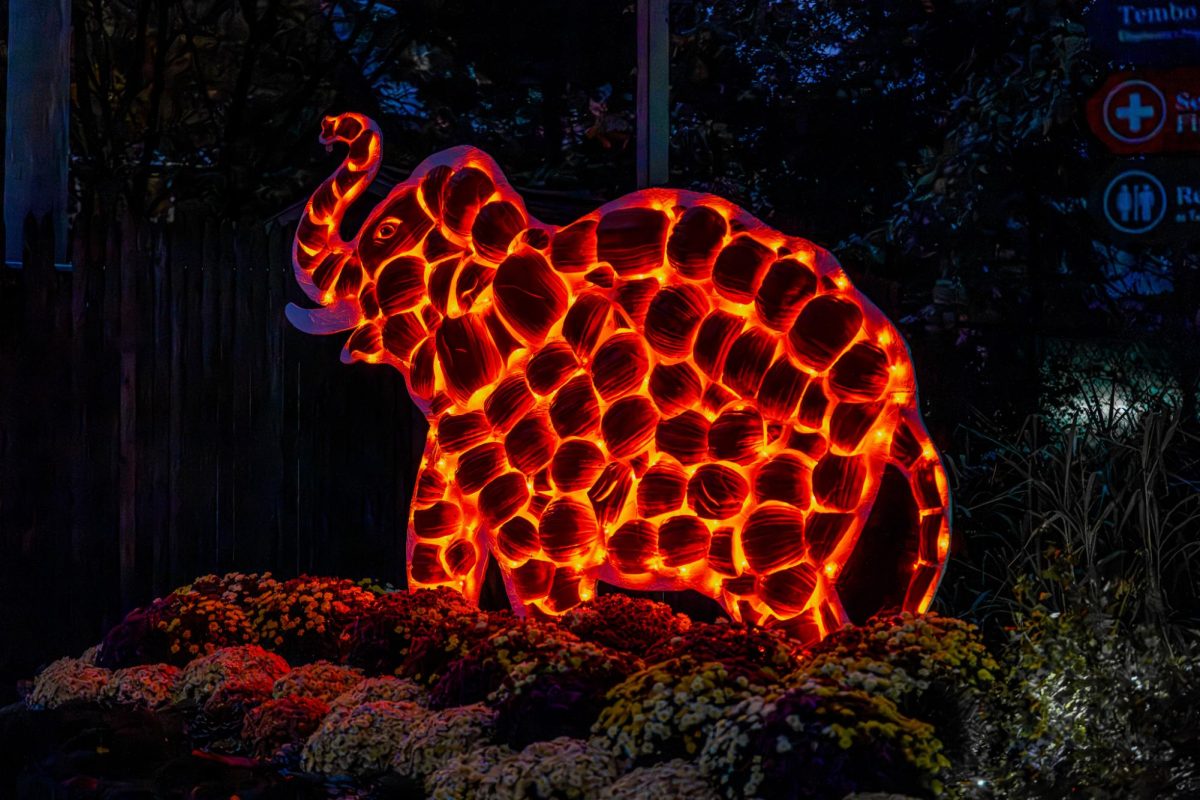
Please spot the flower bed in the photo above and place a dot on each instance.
(421, 695)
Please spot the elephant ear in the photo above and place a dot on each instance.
(472, 203)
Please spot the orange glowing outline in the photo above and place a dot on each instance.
(336, 274)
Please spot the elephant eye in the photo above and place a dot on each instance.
(387, 229)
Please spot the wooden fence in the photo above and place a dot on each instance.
(159, 419)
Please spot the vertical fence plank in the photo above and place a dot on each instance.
(178, 265)
(273, 407)
(226, 380)
(164, 327)
(106, 416)
(191, 480)
(289, 521)
(148, 547)
(209, 377)
(127, 418)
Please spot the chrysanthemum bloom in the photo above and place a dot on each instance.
(568, 768)
(320, 679)
(68, 680)
(308, 618)
(280, 721)
(676, 778)
(382, 688)
(666, 710)
(146, 686)
(441, 734)
(361, 741)
(819, 741)
(201, 677)
(629, 624)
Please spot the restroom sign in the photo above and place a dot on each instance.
(1151, 201)
(1135, 202)
(1150, 111)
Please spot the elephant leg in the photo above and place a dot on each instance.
(515, 601)
(540, 588)
(441, 549)
(458, 562)
(814, 612)
(569, 588)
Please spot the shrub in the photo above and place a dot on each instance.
(146, 686)
(440, 735)
(462, 775)
(666, 710)
(1088, 706)
(480, 671)
(202, 676)
(760, 655)
(631, 625)
(936, 669)
(69, 680)
(430, 656)
(175, 629)
(319, 679)
(217, 723)
(238, 588)
(675, 778)
(559, 693)
(381, 636)
(571, 769)
(307, 618)
(382, 688)
(282, 721)
(361, 741)
(820, 740)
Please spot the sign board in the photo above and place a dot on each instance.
(1150, 111)
(1149, 201)
(1149, 32)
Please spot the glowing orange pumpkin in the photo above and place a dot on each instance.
(665, 394)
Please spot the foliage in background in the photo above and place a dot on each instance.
(1079, 558)
(545, 87)
(1122, 505)
(938, 145)
(215, 104)
(1089, 705)
(201, 102)
(941, 148)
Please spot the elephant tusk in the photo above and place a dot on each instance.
(341, 316)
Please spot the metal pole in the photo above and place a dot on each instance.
(36, 137)
(653, 91)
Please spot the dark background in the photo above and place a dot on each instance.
(160, 420)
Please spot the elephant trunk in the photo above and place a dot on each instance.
(319, 254)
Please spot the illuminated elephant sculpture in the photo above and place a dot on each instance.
(665, 394)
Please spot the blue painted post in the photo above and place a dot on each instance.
(653, 92)
(36, 144)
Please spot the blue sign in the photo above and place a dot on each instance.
(1150, 32)
(1134, 202)
(1150, 201)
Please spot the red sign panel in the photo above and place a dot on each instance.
(1150, 111)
